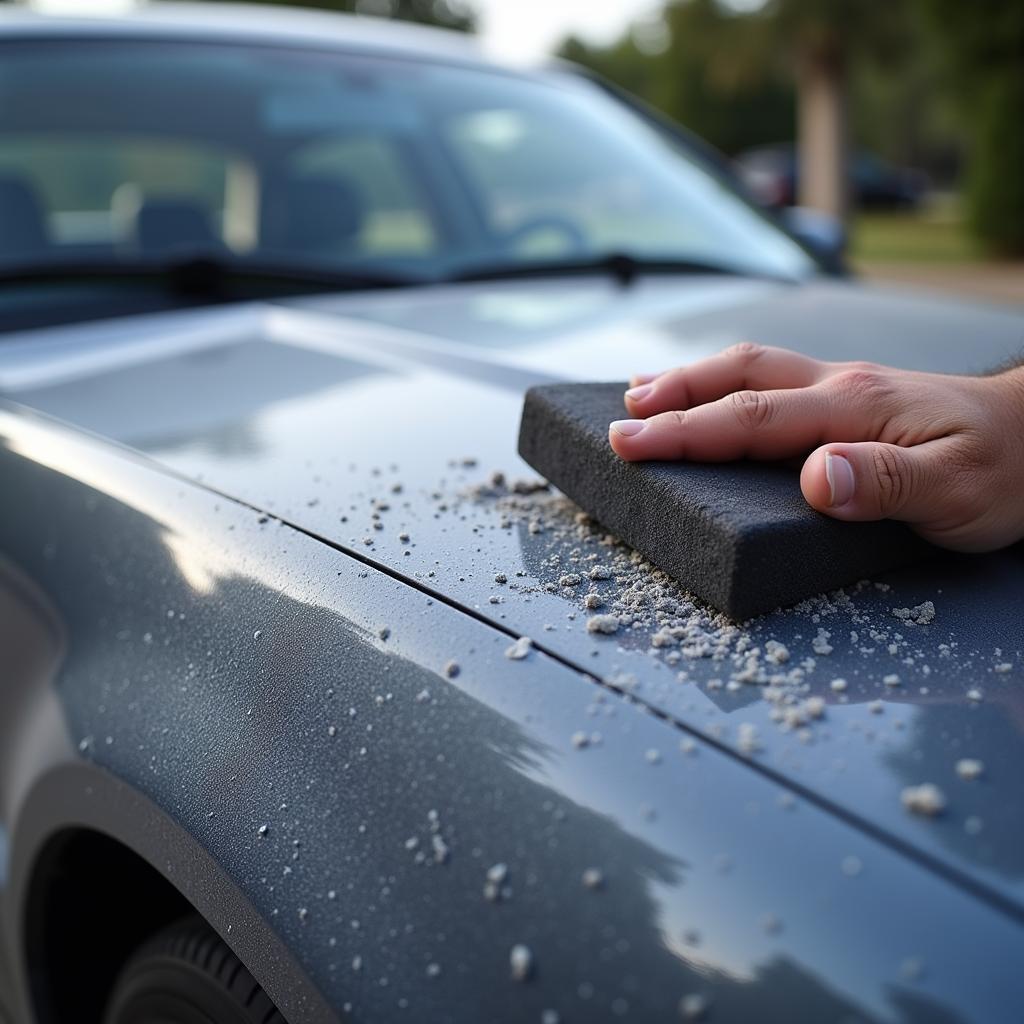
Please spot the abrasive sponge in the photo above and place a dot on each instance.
(738, 535)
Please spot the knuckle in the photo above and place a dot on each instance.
(753, 409)
(744, 352)
(892, 473)
(864, 385)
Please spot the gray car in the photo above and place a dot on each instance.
(300, 714)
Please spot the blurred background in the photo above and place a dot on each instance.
(903, 118)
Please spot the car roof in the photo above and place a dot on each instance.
(248, 23)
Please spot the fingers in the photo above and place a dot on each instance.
(872, 480)
(746, 424)
(743, 366)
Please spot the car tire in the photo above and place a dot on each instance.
(187, 974)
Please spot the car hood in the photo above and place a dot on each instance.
(386, 425)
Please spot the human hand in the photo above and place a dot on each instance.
(944, 454)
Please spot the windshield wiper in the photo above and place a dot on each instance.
(210, 275)
(623, 267)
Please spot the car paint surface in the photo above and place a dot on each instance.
(359, 790)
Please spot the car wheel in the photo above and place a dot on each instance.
(186, 974)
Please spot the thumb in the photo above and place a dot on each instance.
(872, 480)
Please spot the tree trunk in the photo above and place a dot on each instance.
(822, 130)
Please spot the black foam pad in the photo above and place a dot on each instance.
(738, 535)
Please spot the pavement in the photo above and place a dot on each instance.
(992, 282)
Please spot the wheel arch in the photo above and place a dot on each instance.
(85, 843)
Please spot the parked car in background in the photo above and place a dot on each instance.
(304, 712)
(773, 174)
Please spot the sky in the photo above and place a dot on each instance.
(525, 30)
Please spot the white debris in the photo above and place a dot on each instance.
(600, 572)
(520, 961)
(441, 850)
(920, 615)
(820, 643)
(693, 1006)
(837, 685)
(969, 768)
(891, 680)
(974, 694)
(653, 756)
(433, 970)
(776, 653)
(815, 707)
(263, 830)
(520, 649)
(1003, 666)
(747, 738)
(606, 624)
(593, 878)
(926, 799)
(876, 707)
(592, 601)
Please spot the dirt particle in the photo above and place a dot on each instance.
(580, 740)
(970, 768)
(452, 669)
(693, 1006)
(926, 799)
(593, 878)
(922, 614)
(600, 572)
(520, 961)
(500, 577)
(384, 632)
(593, 601)
(604, 624)
(520, 649)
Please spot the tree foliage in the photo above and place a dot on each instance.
(932, 83)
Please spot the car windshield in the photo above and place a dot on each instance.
(131, 152)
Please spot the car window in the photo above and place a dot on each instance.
(115, 179)
(392, 218)
(329, 160)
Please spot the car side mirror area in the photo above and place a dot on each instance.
(824, 235)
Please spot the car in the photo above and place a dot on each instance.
(300, 715)
(772, 174)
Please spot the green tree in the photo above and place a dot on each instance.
(695, 65)
(985, 44)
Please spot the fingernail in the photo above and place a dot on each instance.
(645, 378)
(642, 391)
(628, 428)
(839, 474)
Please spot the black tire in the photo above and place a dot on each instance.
(186, 974)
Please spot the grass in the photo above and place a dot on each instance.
(930, 236)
